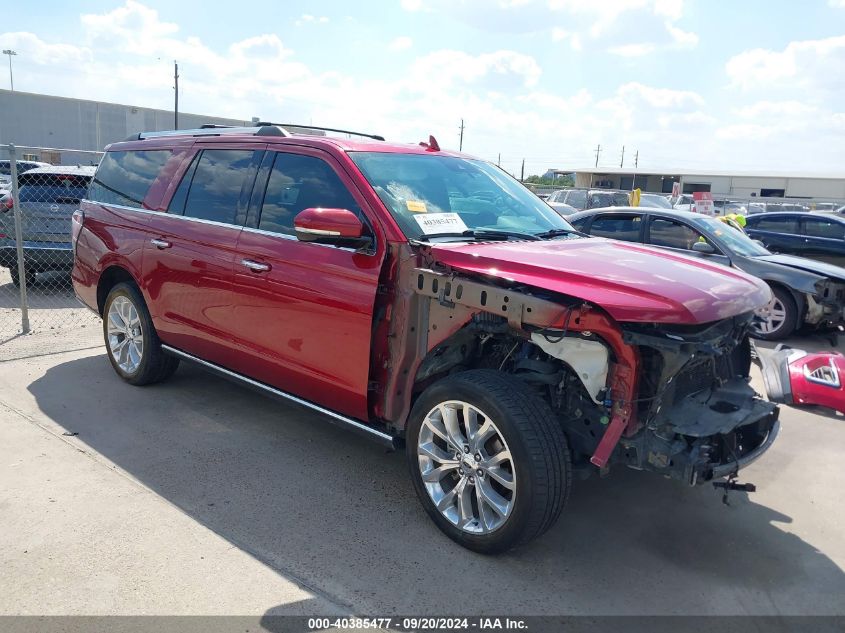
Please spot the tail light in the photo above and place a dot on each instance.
(76, 221)
(6, 203)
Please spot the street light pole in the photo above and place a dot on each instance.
(10, 52)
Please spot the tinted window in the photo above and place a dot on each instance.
(125, 177)
(618, 226)
(297, 183)
(824, 228)
(216, 186)
(53, 188)
(577, 199)
(673, 234)
(177, 202)
(778, 225)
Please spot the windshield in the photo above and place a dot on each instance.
(659, 202)
(733, 240)
(433, 194)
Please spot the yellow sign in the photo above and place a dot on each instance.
(416, 206)
(634, 197)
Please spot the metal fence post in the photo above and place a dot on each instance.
(19, 239)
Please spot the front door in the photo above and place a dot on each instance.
(190, 253)
(304, 311)
(824, 239)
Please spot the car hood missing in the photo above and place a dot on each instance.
(631, 282)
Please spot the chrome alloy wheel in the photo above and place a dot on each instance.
(466, 467)
(125, 336)
(772, 316)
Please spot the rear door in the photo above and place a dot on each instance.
(625, 226)
(824, 239)
(190, 251)
(304, 311)
(675, 235)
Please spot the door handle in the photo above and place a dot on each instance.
(256, 267)
(160, 244)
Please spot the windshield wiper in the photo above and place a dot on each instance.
(546, 235)
(482, 234)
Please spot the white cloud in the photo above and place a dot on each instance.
(449, 66)
(683, 39)
(307, 18)
(632, 50)
(401, 43)
(808, 64)
(837, 4)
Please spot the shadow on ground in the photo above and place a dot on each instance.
(339, 512)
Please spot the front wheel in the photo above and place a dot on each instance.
(778, 319)
(488, 459)
(131, 340)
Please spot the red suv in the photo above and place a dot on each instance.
(426, 298)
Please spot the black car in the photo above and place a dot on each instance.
(815, 235)
(805, 292)
(48, 198)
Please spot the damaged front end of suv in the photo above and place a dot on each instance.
(669, 398)
(700, 418)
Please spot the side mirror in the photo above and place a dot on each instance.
(339, 227)
(704, 248)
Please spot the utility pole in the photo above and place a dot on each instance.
(499, 162)
(10, 53)
(636, 159)
(461, 142)
(622, 162)
(175, 95)
(598, 151)
(522, 172)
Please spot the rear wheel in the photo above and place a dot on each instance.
(133, 345)
(488, 459)
(778, 319)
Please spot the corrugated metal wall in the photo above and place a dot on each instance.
(36, 120)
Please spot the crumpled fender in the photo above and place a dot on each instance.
(798, 377)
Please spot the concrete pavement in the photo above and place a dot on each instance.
(198, 496)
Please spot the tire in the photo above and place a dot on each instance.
(525, 429)
(782, 313)
(127, 327)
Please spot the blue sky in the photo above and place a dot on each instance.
(748, 85)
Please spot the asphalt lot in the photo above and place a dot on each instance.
(198, 496)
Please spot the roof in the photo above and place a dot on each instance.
(263, 135)
(672, 171)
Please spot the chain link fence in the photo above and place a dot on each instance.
(40, 188)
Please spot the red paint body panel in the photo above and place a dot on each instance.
(189, 284)
(111, 236)
(632, 283)
(807, 391)
(305, 325)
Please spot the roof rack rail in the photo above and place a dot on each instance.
(285, 126)
(214, 130)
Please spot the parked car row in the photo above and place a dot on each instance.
(418, 297)
(804, 292)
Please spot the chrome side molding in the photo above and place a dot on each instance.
(333, 417)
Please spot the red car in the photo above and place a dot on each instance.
(422, 297)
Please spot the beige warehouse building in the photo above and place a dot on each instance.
(719, 183)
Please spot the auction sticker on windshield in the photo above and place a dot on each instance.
(431, 223)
